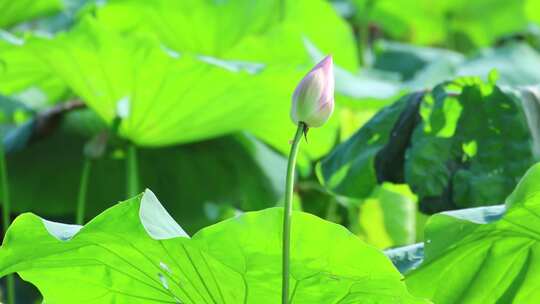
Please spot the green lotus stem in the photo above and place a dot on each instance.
(10, 289)
(363, 38)
(450, 35)
(287, 213)
(81, 201)
(6, 211)
(354, 223)
(362, 46)
(132, 171)
(331, 210)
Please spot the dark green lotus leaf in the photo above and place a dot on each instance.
(470, 149)
(452, 149)
(135, 253)
(468, 261)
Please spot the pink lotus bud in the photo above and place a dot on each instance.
(313, 99)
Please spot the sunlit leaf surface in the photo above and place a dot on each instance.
(168, 97)
(259, 31)
(135, 253)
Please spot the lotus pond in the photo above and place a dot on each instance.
(270, 151)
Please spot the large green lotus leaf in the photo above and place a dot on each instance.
(272, 123)
(235, 170)
(135, 253)
(24, 76)
(172, 98)
(471, 262)
(13, 12)
(457, 23)
(351, 168)
(239, 29)
(253, 33)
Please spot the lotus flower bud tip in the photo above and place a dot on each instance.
(313, 99)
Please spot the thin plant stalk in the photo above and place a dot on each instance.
(364, 47)
(287, 213)
(83, 187)
(331, 210)
(6, 211)
(354, 224)
(450, 36)
(132, 171)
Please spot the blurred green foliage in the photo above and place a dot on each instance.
(456, 24)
